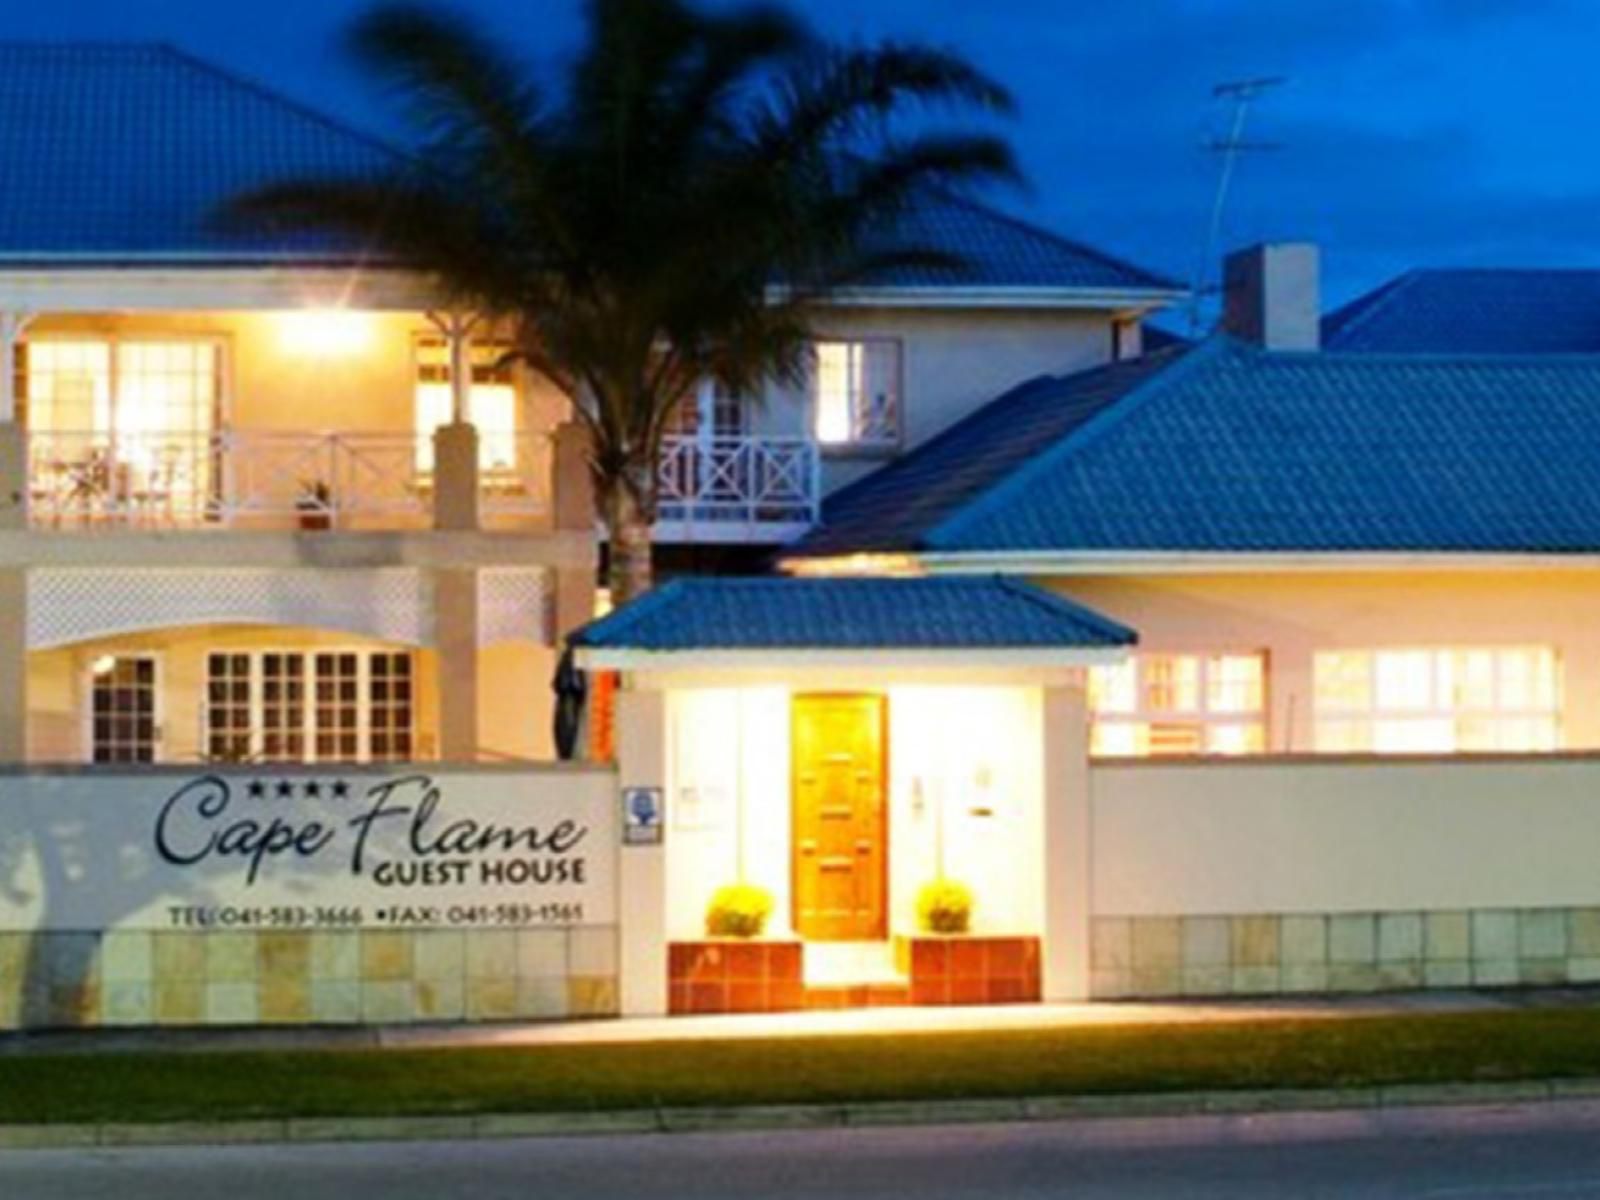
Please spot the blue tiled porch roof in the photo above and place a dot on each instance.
(1228, 449)
(115, 153)
(943, 613)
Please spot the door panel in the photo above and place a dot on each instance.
(840, 818)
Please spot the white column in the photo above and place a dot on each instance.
(455, 444)
(455, 614)
(13, 666)
(1067, 845)
(13, 437)
(642, 870)
(11, 326)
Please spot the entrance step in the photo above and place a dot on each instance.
(860, 995)
(835, 965)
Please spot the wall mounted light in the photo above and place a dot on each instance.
(324, 332)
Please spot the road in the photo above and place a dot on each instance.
(1533, 1152)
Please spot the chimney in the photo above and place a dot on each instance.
(1271, 296)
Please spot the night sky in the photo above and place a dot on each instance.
(1413, 132)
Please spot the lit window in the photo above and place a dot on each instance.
(856, 393)
(325, 706)
(122, 424)
(1177, 704)
(1438, 701)
(491, 404)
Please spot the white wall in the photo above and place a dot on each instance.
(1345, 835)
(953, 362)
(955, 753)
(1292, 615)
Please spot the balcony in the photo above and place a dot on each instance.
(747, 489)
(254, 479)
(737, 489)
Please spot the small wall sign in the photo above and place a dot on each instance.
(642, 816)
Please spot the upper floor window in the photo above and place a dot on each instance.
(711, 412)
(491, 402)
(856, 393)
(1175, 704)
(1438, 700)
(135, 390)
(117, 424)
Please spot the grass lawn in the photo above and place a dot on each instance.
(1105, 1059)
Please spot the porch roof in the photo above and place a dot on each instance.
(987, 616)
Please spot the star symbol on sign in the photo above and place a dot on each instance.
(341, 789)
(313, 789)
(257, 790)
(285, 790)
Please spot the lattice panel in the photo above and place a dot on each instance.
(389, 604)
(512, 606)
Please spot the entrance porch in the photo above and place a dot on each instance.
(843, 807)
(847, 755)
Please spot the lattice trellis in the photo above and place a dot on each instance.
(512, 605)
(392, 604)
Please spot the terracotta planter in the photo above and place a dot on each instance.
(731, 975)
(966, 968)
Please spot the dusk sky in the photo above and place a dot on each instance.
(1413, 132)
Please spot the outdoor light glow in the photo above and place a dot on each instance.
(324, 332)
(103, 665)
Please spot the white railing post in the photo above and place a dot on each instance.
(814, 471)
(14, 482)
(748, 480)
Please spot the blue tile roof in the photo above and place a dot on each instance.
(1004, 252)
(124, 152)
(1473, 311)
(891, 508)
(944, 613)
(1227, 448)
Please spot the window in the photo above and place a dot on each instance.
(856, 393)
(123, 422)
(712, 412)
(491, 403)
(1438, 700)
(124, 728)
(321, 706)
(1173, 704)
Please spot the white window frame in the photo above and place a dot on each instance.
(308, 727)
(1202, 716)
(23, 369)
(158, 749)
(697, 416)
(858, 442)
(1372, 716)
(488, 466)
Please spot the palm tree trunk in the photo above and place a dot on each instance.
(626, 507)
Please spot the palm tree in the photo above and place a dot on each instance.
(669, 208)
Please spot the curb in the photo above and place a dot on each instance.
(774, 1118)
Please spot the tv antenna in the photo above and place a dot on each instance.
(1240, 93)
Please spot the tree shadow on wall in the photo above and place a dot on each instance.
(78, 857)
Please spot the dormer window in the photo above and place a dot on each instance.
(855, 393)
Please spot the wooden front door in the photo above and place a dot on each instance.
(841, 857)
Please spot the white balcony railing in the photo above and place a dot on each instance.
(259, 479)
(737, 488)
